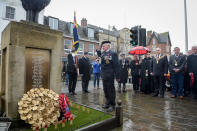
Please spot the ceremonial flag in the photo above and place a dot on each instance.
(75, 34)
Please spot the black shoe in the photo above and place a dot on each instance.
(105, 106)
(87, 92)
(155, 95)
(161, 96)
(119, 90)
(74, 93)
(110, 109)
(124, 90)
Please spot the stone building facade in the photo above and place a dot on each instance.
(12, 10)
(90, 37)
(125, 45)
(87, 38)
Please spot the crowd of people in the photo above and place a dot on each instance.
(149, 75)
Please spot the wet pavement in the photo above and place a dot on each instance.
(143, 112)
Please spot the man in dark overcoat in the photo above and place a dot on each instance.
(135, 72)
(124, 67)
(159, 70)
(85, 71)
(192, 69)
(145, 74)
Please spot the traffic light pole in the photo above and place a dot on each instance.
(138, 30)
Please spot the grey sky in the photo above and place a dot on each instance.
(156, 15)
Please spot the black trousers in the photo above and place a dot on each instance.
(146, 84)
(119, 84)
(187, 88)
(72, 83)
(194, 87)
(135, 81)
(152, 84)
(109, 91)
(159, 84)
(85, 83)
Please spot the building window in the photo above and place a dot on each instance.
(154, 41)
(112, 46)
(53, 23)
(71, 28)
(90, 33)
(81, 48)
(10, 12)
(126, 36)
(91, 49)
(67, 46)
(154, 45)
(167, 49)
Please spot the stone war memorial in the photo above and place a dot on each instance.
(31, 58)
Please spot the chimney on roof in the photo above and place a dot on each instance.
(83, 22)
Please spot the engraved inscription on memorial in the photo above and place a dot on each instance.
(37, 62)
(37, 68)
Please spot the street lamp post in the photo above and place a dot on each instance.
(186, 30)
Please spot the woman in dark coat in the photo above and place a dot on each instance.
(72, 72)
(135, 72)
(124, 67)
(145, 74)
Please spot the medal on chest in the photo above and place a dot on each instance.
(123, 63)
(157, 60)
(175, 63)
(106, 59)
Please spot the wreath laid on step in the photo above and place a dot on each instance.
(65, 106)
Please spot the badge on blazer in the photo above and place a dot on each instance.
(175, 63)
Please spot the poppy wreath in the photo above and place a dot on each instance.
(65, 106)
(39, 107)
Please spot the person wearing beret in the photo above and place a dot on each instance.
(124, 67)
(85, 71)
(109, 71)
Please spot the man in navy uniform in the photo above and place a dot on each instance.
(109, 70)
(124, 67)
(159, 70)
(85, 71)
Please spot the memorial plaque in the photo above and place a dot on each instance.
(37, 68)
